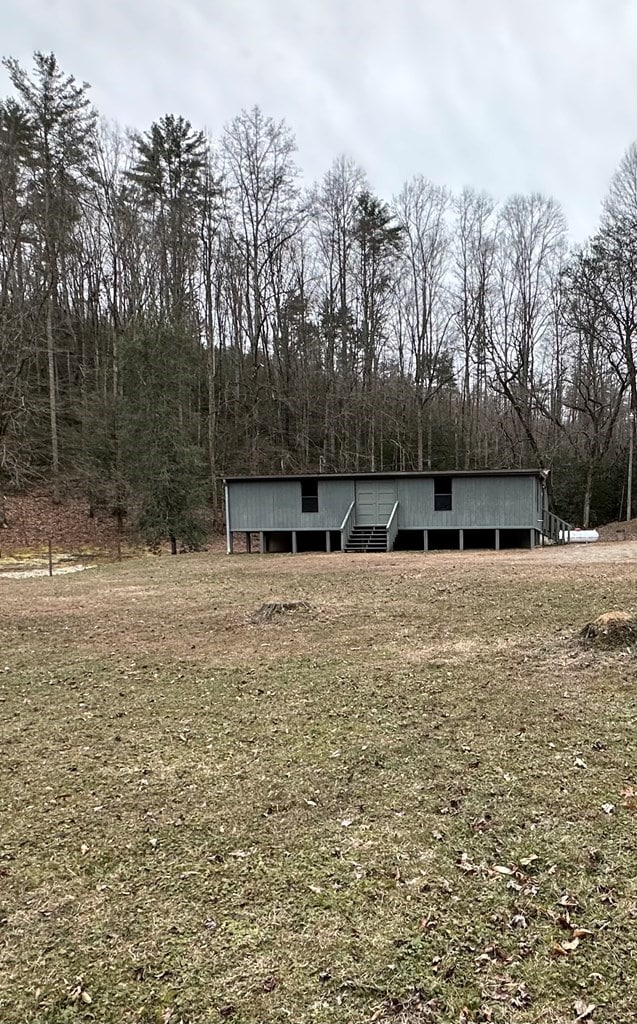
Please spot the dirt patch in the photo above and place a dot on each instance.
(18, 573)
(610, 630)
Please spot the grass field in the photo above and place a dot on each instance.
(413, 800)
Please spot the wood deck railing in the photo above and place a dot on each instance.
(392, 527)
(555, 529)
(346, 525)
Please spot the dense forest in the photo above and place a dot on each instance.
(174, 308)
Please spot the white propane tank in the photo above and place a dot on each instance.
(579, 536)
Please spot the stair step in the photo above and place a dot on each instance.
(364, 547)
(364, 544)
(367, 539)
(356, 540)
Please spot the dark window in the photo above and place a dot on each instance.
(442, 494)
(309, 496)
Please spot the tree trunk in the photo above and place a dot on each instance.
(50, 352)
(419, 427)
(212, 430)
(588, 490)
(629, 484)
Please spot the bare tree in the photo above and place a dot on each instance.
(334, 208)
(263, 217)
(596, 381)
(474, 251)
(530, 250)
(422, 212)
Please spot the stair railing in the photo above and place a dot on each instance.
(392, 527)
(346, 526)
(555, 529)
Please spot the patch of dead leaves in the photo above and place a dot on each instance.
(78, 994)
(583, 1010)
(507, 990)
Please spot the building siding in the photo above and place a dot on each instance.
(276, 505)
(477, 503)
(481, 502)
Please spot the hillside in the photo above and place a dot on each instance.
(619, 530)
(32, 518)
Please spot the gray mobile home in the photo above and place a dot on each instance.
(391, 511)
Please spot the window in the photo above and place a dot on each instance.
(309, 496)
(442, 494)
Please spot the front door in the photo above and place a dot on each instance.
(375, 500)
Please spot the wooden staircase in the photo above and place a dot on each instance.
(367, 538)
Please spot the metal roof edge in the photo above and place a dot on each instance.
(416, 474)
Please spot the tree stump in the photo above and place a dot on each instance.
(611, 630)
(268, 610)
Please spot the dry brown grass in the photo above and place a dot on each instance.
(414, 803)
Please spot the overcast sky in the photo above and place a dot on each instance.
(505, 95)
